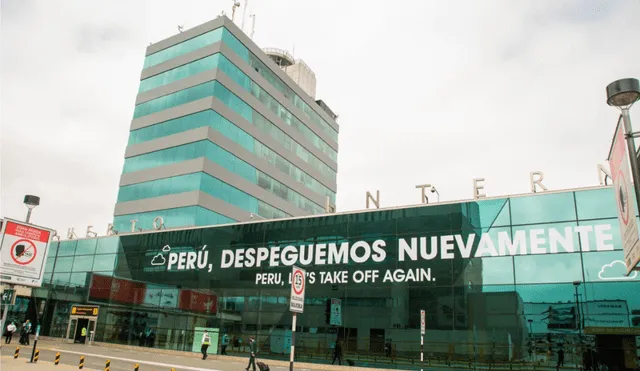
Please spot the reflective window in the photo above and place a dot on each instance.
(228, 129)
(553, 207)
(557, 268)
(226, 160)
(200, 41)
(174, 218)
(198, 181)
(214, 88)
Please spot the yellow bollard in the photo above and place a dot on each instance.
(57, 359)
(37, 355)
(81, 365)
(107, 365)
(136, 367)
(17, 353)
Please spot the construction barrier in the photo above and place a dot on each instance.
(136, 367)
(107, 365)
(17, 353)
(37, 355)
(81, 365)
(57, 359)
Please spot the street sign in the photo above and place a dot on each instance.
(423, 322)
(23, 253)
(335, 317)
(85, 310)
(298, 283)
(623, 188)
(9, 297)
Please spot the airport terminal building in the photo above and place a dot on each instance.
(512, 279)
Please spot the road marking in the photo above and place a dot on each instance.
(140, 362)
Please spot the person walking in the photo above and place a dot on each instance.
(24, 332)
(253, 350)
(337, 353)
(9, 334)
(225, 344)
(206, 341)
(560, 359)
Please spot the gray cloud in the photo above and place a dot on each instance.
(427, 92)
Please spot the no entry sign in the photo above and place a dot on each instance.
(298, 283)
(23, 251)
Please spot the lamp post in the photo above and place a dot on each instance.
(434, 190)
(623, 94)
(530, 339)
(31, 201)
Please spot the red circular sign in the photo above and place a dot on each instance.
(296, 284)
(622, 196)
(23, 252)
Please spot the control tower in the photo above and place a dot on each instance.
(299, 71)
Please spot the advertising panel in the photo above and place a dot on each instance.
(23, 253)
(623, 189)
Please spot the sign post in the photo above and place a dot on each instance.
(296, 304)
(35, 342)
(23, 253)
(624, 189)
(423, 327)
(8, 299)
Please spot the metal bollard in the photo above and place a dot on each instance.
(107, 365)
(57, 361)
(81, 365)
(17, 353)
(136, 367)
(35, 358)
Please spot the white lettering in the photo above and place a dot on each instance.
(405, 249)
(354, 252)
(583, 232)
(173, 259)
(465, 249)
(428, 255)
(289, 256)
(250, 257)
(507, 246)
(275, 255)
(536, 241)
(379, 254)
(321, 253)
(338, 255)
(602, 236)
(227, 259)
(486, 246)
(182, 260)
(446, 247)
(556, 238)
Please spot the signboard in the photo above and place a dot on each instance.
(85, 310)
(423, 322)
(335, 317)
(623, 188)
(298, 283)
(9, 297)
(23, 253)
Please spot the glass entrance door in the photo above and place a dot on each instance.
(71, 329)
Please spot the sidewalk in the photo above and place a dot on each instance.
(9, 364)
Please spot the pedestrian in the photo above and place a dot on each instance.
(206, 340)
(337, 353)
(225, 344)
(24, 332)
(253, 350)
(83, 334)
(9, 334)
(560, 359)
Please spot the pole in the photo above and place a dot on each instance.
(28, 214)
(633, 160)
(293, 341)
(35, 342)
(421, 350)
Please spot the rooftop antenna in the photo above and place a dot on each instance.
(236, 4)
(244, 13)
(253, 25)
(180, 28)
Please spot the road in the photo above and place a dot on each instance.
(124, 360)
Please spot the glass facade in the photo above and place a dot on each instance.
(279, 157)
(511, 282)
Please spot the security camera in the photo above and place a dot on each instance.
(433, 189)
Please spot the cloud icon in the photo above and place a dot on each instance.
(158, 260)
(166, 248)
(615, 271)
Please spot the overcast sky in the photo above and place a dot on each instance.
(427, 92)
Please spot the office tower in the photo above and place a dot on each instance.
(223, 131)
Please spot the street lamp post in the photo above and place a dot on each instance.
(623, 94)
(31, 201)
